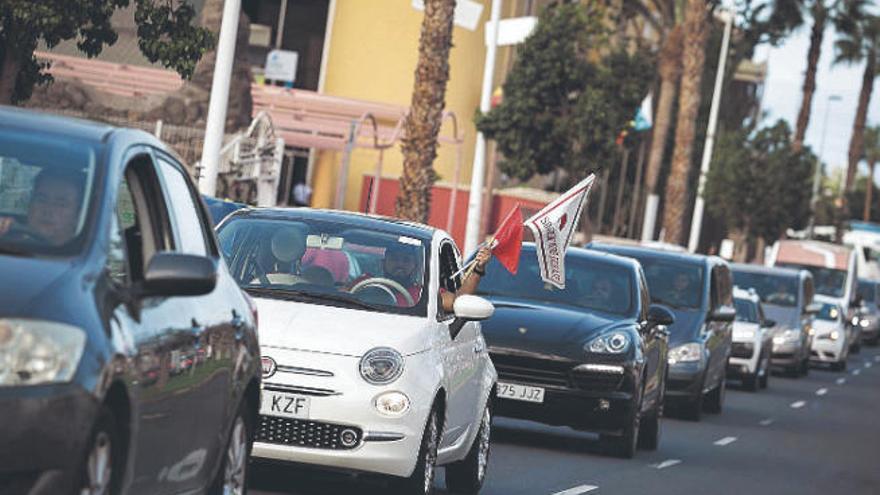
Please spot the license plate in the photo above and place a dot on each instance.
(284, 405)
(520, 392)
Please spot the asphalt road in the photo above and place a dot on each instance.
(819, 434)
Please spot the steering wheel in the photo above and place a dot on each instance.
(383, 282)
(23, 232)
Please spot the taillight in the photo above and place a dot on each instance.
(253, 307)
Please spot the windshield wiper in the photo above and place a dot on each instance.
(294, 295)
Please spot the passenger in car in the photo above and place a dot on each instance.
(53, 210)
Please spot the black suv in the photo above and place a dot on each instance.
(129, 360)
(699, 291)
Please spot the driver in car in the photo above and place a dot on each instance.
(681, 292)
(53, 209)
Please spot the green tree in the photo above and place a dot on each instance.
(567, 97)
(166, 34)
(759, 185)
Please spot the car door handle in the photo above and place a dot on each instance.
(479, 347)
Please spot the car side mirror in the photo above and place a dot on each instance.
(722, 313)
(813, 308)
(768, 323)
(176, 274)
(469, 308)
(658, 315)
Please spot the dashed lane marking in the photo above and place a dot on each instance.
(841, 381)
(766, 422)
(667, 463)
(867, 364)
(798, 404)
(578, 490)
(856, 372)
(725, 441)
(877, 359)
(821, 392)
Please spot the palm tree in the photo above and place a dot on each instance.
(871, 154)
(426, 111)
(696, 30)
(859, 42)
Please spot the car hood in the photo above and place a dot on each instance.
(530, 327)
(784, 316)
(335, 330)
(27, 279)
(686, 327)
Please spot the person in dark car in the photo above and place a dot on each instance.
(53, 210)
(681, 293)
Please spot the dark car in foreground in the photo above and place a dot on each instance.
(129, 361)
(699, 291)
(869, 310)
(787, 296)
(591, 356)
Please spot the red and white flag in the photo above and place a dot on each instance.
(553, 228)
(507, 241)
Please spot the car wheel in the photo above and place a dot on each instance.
(765, 378)
(649, 430)
(856, 348)
(421, 481)
(102, 466)
(750, 382)
(467, 476)
(624, 445)
(839, 366)
(715, 401)
(805, 367)
(232, 476)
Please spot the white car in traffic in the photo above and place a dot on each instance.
(752, 341)
(831, 339)
(363, 370)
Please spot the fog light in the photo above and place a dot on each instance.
(392, 404)
(348, 438)
(604, 404)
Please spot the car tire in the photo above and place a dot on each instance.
(232, 475)
(715, 402)
(650, 429)
(765, 378)
(467, 476)
(624, 446)
(856, 348)
(839, 366)
(805, 367)
(103, 462)
(421, 481)
(750, 382)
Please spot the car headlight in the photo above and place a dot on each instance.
(381, 366)
(855, 320)
(34, 352)
(864, 323)
(686, 353)
(613, 343)
(832, 335)
(392, 403)
(789, 335)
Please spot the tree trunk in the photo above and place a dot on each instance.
(819, 17)
(9, 67)
(426, 111)
(866, 214)
(670, 73)
(696, 30)
(858, 132)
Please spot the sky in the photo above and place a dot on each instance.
(782, 94)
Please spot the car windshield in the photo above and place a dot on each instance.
(45, 187)
(745, 311)
(331, 263)
(867, 292)
(675, 284)
(829, 312)
(589, 284)
(772, 288)
(829, 281)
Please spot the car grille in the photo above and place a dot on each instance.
(304, 433)
(599, 382)
(742, 350)
(545, 372)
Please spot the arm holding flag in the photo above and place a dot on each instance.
(471, 280)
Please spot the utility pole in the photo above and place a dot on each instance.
(697, 219)
(475, 199)
(216, 122)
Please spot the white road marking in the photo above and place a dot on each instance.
(667, 463)
(821, 392)
(725, 441)
(798, 404)
(877, 358)
(856, 372)
(578, 490)
(867, 364)
(841, 381)
(766, 422)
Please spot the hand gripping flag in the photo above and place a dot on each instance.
(507, 242)
(553, 228)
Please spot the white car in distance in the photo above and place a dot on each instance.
(363, 370)
(752, 341)
(831, 339)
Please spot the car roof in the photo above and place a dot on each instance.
(635, 251)
(813, 253)
(767, 270)
(826, 300)
(589, 254)
(47, 124)
(360, 220)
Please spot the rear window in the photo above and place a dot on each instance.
(745, 311)
(774, 289)
(675, 284)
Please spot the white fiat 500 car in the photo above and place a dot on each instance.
(830, 338)
(752, 341)
(363, 370)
